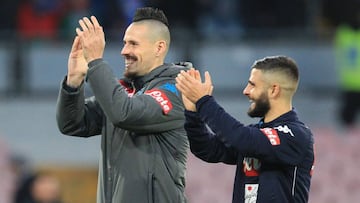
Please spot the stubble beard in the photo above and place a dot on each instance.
(262, 107)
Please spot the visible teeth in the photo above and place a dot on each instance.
(127, 63)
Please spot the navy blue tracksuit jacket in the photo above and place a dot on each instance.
(274, 160)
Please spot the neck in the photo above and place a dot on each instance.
(276, 110)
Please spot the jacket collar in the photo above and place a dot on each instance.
(139, 82)
(286, 117)
(165, 70)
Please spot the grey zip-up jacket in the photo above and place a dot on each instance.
(144, 145)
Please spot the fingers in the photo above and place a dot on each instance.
(182, 82)
(89, 25)
(84, 28)
(207, 78)
(86, 24)
(188, 104)
(83, 24)
(192, 77)
(78, 32)
(211, 90)
(179, 80)
(208, 83)
(186, 81)
(186, 75)
(76, 44)
(95, 22)
(191, 72)
(190, 84)
(197, 75)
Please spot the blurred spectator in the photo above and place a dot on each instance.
(21, 168)
(345, 16)
(74, 10)
(39, 188)
(39, 19)
(347, 45)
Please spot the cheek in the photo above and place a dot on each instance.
(253, 93)
(148, 57)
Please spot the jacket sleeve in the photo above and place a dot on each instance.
(273, 145)
(156, 110)
(76, 116)
(204, 144)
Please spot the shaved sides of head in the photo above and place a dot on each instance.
(279, 69)
(157, 30)
(156, 21)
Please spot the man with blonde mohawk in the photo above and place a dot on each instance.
(141, 117)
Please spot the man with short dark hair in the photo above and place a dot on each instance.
(144, 145)
(274, 157)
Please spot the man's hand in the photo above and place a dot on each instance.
(192, 87)
(77, 66)
(92, 38)
(187, 103)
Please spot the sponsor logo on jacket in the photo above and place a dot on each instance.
(272, 135)
(285, 129)
(251, 166)
(251, 192)
(161, 98)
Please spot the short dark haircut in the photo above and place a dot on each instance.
(150, 13)
(278, 63)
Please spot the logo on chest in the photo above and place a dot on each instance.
(161, 98)
(272, 135)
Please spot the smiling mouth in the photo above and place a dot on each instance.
(129, 60)
(252, 103)
(127, 64)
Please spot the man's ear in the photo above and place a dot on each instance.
(275, 90)
(161, 48)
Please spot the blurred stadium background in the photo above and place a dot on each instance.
(221, 36)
